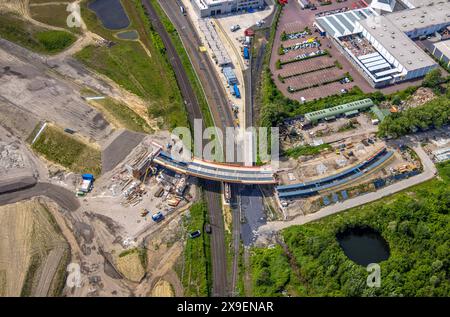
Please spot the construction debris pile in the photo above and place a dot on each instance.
(10, 157)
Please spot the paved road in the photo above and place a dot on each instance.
(429, 171)
(63, 197)
(123, 143)
(212, 189)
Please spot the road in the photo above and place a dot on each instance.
(429, 171)
(63, 197)
(211, 189)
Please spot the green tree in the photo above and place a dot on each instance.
(433, 78)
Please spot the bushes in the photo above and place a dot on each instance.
(306, 150)
(434, 113)
(414, 223)
(270, 271)
(54, 41)
(433, 78)
(37, 39)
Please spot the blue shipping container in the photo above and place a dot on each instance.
(237, 93)
(246, 53)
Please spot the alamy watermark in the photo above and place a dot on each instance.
(74, 18)
(233, 145)
(374, 277)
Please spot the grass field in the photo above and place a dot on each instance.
(37, 39)
(193, 79)
(298, 151)
(52, 14)
(59, 147)
(122, 115)
(197, 272)
(129, 65)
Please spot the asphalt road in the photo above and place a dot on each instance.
(211, 189)
(63, 197)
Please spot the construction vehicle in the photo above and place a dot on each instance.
(87, 183)
(173, 202)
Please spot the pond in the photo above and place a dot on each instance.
(111, 13)
(363, 245)
(128, 35)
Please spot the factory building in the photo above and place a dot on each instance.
(206, 8)
(442, 52)
(381, 47)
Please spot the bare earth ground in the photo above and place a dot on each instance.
(130, 266)
(162, 289)
(35, 88)
(26, 232)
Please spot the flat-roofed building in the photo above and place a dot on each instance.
(442, 51)
(206, 8)
(422, 21)
(396, 48)
(348, 109)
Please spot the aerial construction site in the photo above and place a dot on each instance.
(102, 196)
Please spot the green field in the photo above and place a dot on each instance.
(196, 277)
(298, 151)
(59, 147)
(128, 64)
(193, 79)
(52, 14)
(37, 39)
(125, 116)
(416, 225)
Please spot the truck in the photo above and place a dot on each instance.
(246, 53)
(158, 216)
(237, 93)
(87, 183)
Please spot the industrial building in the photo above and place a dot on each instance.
(348, 109)
(442, 52)
(206, 8)
(381, 47)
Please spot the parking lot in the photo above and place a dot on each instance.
(309, 65)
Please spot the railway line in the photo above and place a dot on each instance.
(217, 101)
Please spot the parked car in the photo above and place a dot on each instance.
(208, 228)
(195, 234)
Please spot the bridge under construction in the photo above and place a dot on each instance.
(218, 172)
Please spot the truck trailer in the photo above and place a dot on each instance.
(237, 93)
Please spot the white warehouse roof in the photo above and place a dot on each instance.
(397, 43)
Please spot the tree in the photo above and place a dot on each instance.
(433, 78)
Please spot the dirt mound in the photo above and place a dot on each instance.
(130, 265)
(162, 289)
